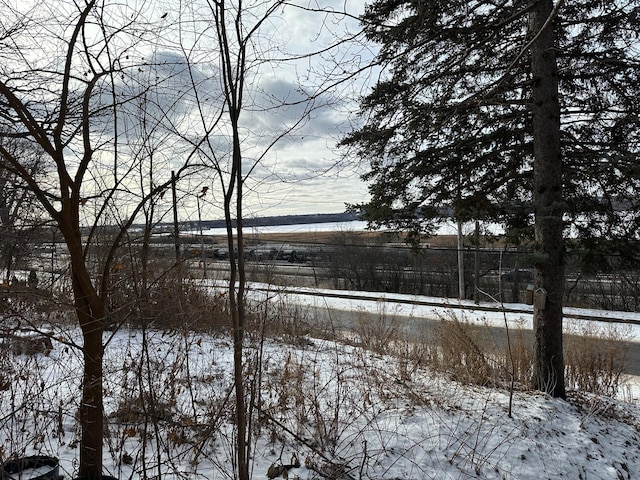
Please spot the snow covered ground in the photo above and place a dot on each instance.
(352, 226)
(347, 412)
(421, 306)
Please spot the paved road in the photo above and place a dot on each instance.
(342, 310)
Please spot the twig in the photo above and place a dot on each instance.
(298, 438)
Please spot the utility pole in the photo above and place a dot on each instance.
(476, 265)
(176, 231)
(461, 295)
(202, 255)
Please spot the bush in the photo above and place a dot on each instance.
(595, 357)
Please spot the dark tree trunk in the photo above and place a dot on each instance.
(239, 322)
(548, 374)
(91, 312)
(91, 410)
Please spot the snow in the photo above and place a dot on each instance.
(378, 416)
(446, 228)
(351, 226)
(517, 315)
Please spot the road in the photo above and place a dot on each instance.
(344, 309)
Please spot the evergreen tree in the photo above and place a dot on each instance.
(519, 111)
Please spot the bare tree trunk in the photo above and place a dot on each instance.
(91, 410)
(244, 440)
(236, 304)
(548, 374)
(91, 312)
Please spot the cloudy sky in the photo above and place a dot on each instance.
(299, 97)
(303, 172)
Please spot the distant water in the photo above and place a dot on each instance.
(447, 228)
(353, 226)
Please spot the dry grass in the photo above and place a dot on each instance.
(595, 357)
(464, 352)
(167, 301)
(379, 332)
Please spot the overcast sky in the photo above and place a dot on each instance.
(161, 51)
(304, 173)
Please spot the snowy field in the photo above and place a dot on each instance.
(344, 411)
(353, 226)
(446, 228)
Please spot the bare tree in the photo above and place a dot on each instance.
(109, 66)
(70, 74)
(245, 111)
(20, 215)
